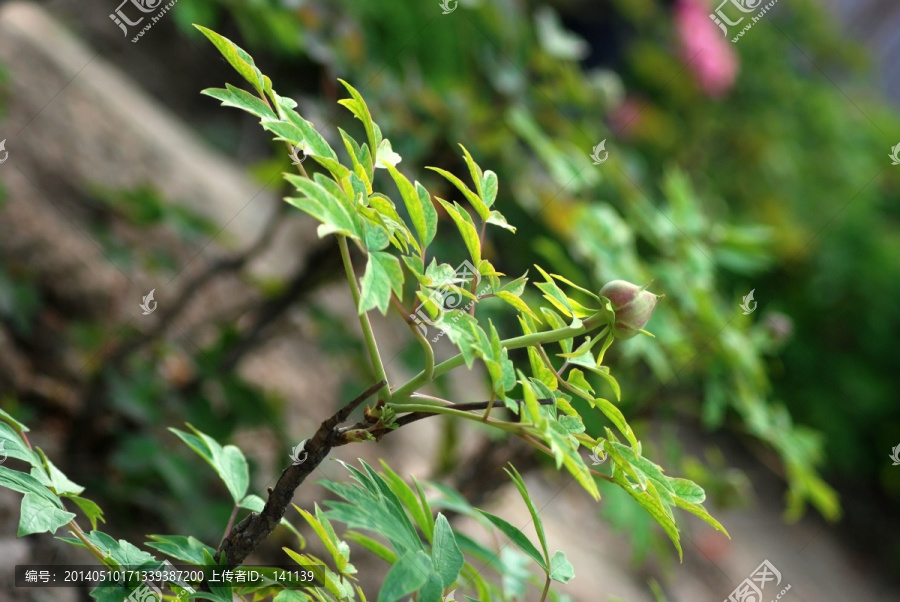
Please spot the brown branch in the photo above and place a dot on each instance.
(247, 535)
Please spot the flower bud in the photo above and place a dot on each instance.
(633, 306)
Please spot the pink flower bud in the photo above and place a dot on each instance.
(633, 306)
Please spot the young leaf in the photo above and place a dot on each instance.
(236, 57)
(359, 109)
(468, 231)
(560, 568)
(383, 273)
(16, 425)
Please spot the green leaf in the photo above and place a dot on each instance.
(560, 568)
(466, 229)
(520, 305)
(39, 515)
(187, 549)
(577, 380)
(12, 445)
(374, 507)
(59, 482)
(445, 553)
(409, 500)
(23, 483)
(497, 219)
(687, 490)
(236, 57)
(339, 553)
(228, 462)
(359, 109)
(654, 508)
(373, 546)
(413, 203)
(476, 202)
(517, 537)
(120, 552)
(406, 576)
(241, 99)
(700, 511)
(316, 145)
(430, 213)
(383, 273)
(489, 187)
(617, 418)
(16, 425)
(386, 155)
(535, 517)
(91, 510)
(336, 215)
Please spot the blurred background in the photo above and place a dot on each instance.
(757, 165)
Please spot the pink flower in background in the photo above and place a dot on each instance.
(708, 55)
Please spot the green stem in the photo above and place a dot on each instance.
(426, 346)
(527, 340)
(512, 427)
(371, 344)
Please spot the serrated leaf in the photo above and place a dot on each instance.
(383, 273)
